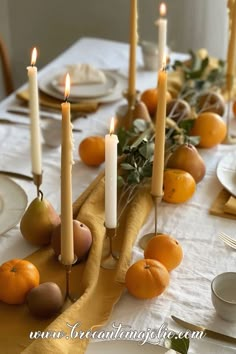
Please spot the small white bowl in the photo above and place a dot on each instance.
(223, 295)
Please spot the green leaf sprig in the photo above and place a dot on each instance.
(181, 345)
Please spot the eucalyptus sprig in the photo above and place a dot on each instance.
(126, 137)
(197, 72)
(137, 149)
(179, 344)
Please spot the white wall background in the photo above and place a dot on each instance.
(52, 25)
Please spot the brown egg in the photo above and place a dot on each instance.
(45, 300)
(211, 102)
(82, 239)
(178, 108)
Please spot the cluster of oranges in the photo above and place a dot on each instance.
(208, 124)
(149, 277)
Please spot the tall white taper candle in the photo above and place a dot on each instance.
(111, 141)
(35, 132)
(162, 35)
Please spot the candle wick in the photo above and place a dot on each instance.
(66, 99)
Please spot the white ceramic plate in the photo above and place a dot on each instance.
(13, 202)
(123, 346)
(87, 90)
(117, 85)
(226, 172)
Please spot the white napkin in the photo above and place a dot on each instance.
(81, 74)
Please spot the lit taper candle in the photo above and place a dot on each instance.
(159, 152)
(162, 34)
(111, 141)
(67, 243)
(35, 130)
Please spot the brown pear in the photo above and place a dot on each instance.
(45, 300)
(141, 112)
(187, 158)
(38, 222)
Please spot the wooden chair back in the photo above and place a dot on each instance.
(6, 69)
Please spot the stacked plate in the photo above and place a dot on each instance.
(13, 202)
(226, 172)
(109, 90)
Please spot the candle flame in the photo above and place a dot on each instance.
(163, 9)
(112, 125)
(67, 86)
(33, 56)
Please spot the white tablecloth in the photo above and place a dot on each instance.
(188, 295)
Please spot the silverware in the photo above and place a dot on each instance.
(207, 332)
(228, 240)
(7, 121)
(16, 175)
(25, 112)
(45, 112)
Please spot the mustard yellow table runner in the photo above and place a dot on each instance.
(99, 289)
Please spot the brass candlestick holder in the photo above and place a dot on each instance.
(68, 298)
(133, 109)
(110, 261)
(37, 179)
(131, 101)
(229, 139)
(144, 240)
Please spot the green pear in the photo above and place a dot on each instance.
(187, 158)
(38, 222)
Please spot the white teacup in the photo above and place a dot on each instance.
(150, 55)
(223, 295)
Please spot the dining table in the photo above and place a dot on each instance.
(188, 295)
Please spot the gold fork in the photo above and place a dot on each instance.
(228, 240)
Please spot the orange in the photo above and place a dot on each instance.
(92, 150)
(211, 129)
(150, 98)
(165, 249)
(146, 279)
(17, 278)
(179, 186)
(234, 108)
